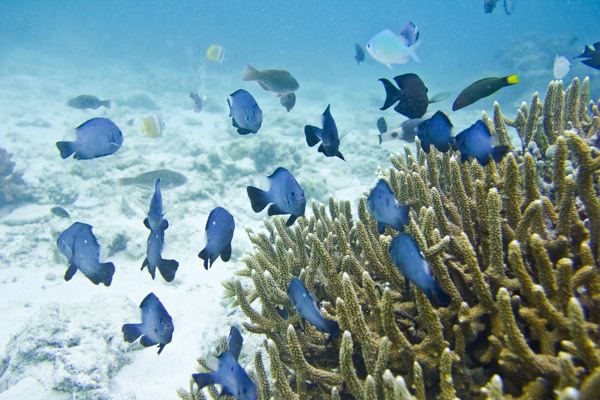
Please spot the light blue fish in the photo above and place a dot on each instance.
(219, 233)
(389, 48)
(285, 193)
(96, 137)
(156, 327)
(411, 264)
(386, 209)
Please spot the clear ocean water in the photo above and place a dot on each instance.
(51, 51)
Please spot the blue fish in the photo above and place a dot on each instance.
(411, 264)
(155, 220)
(306, 307)
(476, 141)
(96, 137)
(385, 208)
(435, 131)
(219, 232)
(285, 193)
(153, 260)
(230, 374)
(328, 135)
(79, 245)
(245, 113)
(156, 327)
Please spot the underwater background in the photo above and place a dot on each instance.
(63, 340)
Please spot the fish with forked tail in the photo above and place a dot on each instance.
(219, 233)
(411, 95)
(328, 136)
(156, 327)
(285, 193)
(96, 137)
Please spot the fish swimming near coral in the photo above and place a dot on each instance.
(219, 233)
(288, 100)
(435, 131)
(153, 126)
(154, 260)
(86, 101)
(328, 136)
(407, 257)
(215, 53)
(591, 55)
(155, 220)
(229, 373)
(97, 137)
(482, 88)
(285, 193)
(562, 66)
(406, 131)
(156, 327)
(81, 248)
(197, 102)
(389, 48)
(386, 209)
(147, 180)
(278, 81)
(476, 141)
(360, 54)
(411, 95)
(306, 307)
(245, 113)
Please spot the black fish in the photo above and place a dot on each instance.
(435, 131)
(476, 141)
(156, 327)
(328, 136)
(482, 88)
(411, 97)
(360, 54)
(87, 101)
(381, 126)
(592, 56)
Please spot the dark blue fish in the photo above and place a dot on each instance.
(476, 141)
(411, 95)
(155, 220)
(79, 245)
(386, 209)
(285, 193)
(156, 327)
(435, 131)
(219, 232)
(245, 113)
(235, 342)
(231, 376)
(97, 137)
(410, 32)
(411, 264)
(328, 136)
(153, 260)
(360, 54)
(306, 307)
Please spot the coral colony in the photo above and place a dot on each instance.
(515, 244)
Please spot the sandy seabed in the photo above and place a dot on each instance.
(62, 340)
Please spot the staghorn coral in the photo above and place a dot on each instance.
(514, 244)
(12, 186)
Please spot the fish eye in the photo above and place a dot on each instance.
(395, 134)
(293, 194)
(368, 45)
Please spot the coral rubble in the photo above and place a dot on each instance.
(12, 186)
(516, 245)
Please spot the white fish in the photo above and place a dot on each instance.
(389, 48)
(153, 126)
(561, 67)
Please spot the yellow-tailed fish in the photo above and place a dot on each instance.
(153, 126)
(215, 54)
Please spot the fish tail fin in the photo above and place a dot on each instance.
(413, 51)
(106, 103)
(340, 155)
(392, 94)
(65, 148)
(250, 73)
(443, 299)
(258, 198)
(203, 380)
(332, 327)
(131, 332)
(167, 269)
(313, 135)
(125, 181)
(499, 152)
(513, 79)
(208, 257)
(105, 273)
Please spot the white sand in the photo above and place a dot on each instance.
(32, 100)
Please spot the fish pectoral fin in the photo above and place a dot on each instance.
(147, 342)
(226, 253)
(381, 227)
(275, 210)
(70, 272)
(313, 135)
(291, 220)
(338, 154)
(262, 85)
(167, 269)
(147, 224)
